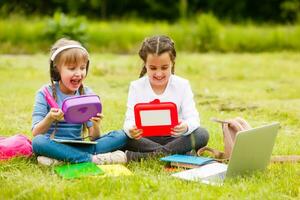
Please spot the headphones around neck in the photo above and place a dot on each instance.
(54, 74)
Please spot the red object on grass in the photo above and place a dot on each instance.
(156, 118)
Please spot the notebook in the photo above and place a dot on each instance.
(187, 161)
(78, 170)
(74, 141)
(115, 170)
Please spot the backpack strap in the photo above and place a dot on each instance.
(52, 103)
(230, 129)
(214, 153)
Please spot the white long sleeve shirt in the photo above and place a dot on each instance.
(177, 91)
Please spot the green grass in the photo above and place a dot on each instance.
(259, 87)
(21, 34)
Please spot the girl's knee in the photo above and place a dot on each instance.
(118, 134)
(201, 136)
(38, 142)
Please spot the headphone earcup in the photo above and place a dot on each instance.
(54, 74)
(87, 67)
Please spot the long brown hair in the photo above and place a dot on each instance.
(158, 45)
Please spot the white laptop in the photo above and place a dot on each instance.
(251, 152)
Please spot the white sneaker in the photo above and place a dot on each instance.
(43, 160)
(110, 158)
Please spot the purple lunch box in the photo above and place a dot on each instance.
(79, 109)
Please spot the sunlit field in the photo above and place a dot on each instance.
(262, 88)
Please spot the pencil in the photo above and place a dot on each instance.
(219, 120)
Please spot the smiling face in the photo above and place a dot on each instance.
(72, 67)
(72, 76)
(159, 70)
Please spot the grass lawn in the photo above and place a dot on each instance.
(262, 88)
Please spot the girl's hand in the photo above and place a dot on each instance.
(94, 131)
(180, 129)
(135, 133)
(97, 119)
(56, 114)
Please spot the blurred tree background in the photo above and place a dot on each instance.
(170, 10)
(118, 26)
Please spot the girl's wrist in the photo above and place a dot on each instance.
(49, 118)
(96, 125)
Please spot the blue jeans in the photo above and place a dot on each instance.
(76, 153)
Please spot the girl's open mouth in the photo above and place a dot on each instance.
(76, 82)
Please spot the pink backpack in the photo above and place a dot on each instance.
(17, 145)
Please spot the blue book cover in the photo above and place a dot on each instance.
(186, 159)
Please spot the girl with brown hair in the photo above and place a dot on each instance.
(158, 81)
(69, 64)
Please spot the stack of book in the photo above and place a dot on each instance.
(186, 161)
(205, 170)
